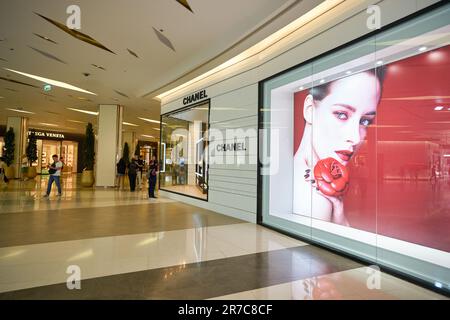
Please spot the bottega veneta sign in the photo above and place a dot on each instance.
(198, 96)
(47, 134)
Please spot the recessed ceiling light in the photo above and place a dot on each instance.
(52, 82)
(423, 49)
(301, 88)
(150, 120)
(18, 110)
(158, 129)
(439, 108)
(98, 67)
(380, 62)
(322, 81)
(48, 124)
(147, 136)
(348, 72)
(76, 121)
(130, 124)
(84, 111)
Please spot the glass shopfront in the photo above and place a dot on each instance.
(184, 151)
(355, 149)
(49, 144)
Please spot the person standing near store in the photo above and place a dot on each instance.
(151, 174)
(132, 172)
(3, 178)
(121, 169)
(140, 164)
(55, 173)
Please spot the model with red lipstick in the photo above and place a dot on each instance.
(337, 115)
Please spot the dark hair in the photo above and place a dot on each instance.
(320, 92)
(55, 155)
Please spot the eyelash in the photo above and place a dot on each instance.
(363, 122)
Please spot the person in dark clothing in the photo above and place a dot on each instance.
(152, 172)
(121, 169)
(132, 173)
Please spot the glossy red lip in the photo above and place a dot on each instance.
(345, 155)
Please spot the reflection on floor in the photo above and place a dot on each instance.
(191, 190)
(129, 247)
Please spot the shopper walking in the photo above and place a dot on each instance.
(132, 172)
(151, 174)
(55, 172)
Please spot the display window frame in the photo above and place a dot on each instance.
(263, 194)
(162, 142)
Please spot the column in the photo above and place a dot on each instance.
(20, 127)
(109, 141)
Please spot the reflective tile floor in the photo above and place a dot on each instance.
(126, 246)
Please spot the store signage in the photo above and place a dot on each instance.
(238, 146)
(198, 96)
(47, 134)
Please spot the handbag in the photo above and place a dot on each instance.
(51, 170)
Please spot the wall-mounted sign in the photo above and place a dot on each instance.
(198, 96)
(237, 146)
(44, 134)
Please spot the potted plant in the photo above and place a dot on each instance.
(9, 153)
(126, 154)
(137, 150)
(31, 153)
(87, 177)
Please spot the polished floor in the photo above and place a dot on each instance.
(127, 246)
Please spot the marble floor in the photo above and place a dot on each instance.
(123, 245)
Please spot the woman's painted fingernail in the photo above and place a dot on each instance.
(306, 176)
(308, 170)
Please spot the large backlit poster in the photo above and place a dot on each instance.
(379, 138)
(355, 148)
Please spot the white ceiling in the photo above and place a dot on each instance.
(215, 30)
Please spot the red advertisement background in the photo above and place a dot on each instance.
(392, 192)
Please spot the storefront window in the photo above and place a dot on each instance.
(184, 155)
(357, 149)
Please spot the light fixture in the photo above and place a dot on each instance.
(265, 44)
(18, 110)
(84, 111)
(423, 49)
(147, 136)
(348, 72)
(439, 108)
(52, 82)
(130, 124)
(76, 121)
(380, 62)
(446, 155)
(301, 88)
(157, 129)
(150, 120)
(48, 124)
(322, 81)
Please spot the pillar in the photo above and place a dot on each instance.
(109, 141)
(20, 127)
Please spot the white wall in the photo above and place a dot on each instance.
(234, 93)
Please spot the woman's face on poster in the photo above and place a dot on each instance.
(340, 120)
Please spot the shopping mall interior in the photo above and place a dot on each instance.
(174, 150)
